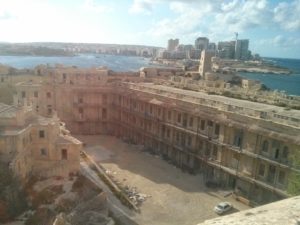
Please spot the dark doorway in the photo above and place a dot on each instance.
(64, 154)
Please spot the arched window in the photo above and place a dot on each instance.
(285, 152)
(265, 146)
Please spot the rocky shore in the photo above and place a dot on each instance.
(263, 70)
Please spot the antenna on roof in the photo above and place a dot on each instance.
(236, 35)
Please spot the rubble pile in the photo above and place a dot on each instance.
(110, 173)
(136, 197)
(132, 193)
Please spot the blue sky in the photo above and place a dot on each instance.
(273, 27)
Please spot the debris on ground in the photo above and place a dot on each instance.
(132, 193)
(109, 172)
(136, 197)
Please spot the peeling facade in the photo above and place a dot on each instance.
(244, 145)
(36, 145)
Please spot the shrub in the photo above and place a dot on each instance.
(11, 193)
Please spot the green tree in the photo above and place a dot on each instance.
(294, 177)
(12, 196)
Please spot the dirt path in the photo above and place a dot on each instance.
(177, 198)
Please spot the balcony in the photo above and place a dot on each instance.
(88, 104)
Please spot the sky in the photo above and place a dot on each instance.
(273, 27)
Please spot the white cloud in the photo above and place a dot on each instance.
(216, 19)
(288, 15)
(190, 18)
(35, 20)
(280, 41)
(285, 42)
(96, 7)
(220, 19)
(142, 6)
(5, 15)
(239, 16)
(147, 6)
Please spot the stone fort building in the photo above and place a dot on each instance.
(247, 146)
(32, 145)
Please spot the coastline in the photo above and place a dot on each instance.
(263, 71)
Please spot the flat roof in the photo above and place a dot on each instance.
(225, 100)
(286, 211)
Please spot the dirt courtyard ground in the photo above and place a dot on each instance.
(177, 198)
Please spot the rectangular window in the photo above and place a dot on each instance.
(104, 98)
(48, 94)
(36, 94)
(177, 136)
(23, 94)
(43, 152)
(104, 114)
(49, 108)
(261, 170)
(179, 118)
(80, 100)
(271, 174)
(217, 129)
(191, 121)
(281, 177)
(64, 154)
(42, 133)
(200, 144)
(215, 152)
(202, 125)
(238, 138)
(168, 133)
(189, 140)
(80, 110)
(210, 123)
(207, 152)
(169, 115)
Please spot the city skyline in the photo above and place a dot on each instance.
(273, 27)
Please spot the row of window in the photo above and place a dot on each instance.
(36, 94)
(271, 176)
(278, 151)
(104, 113)
(64, 153)
(104, 99)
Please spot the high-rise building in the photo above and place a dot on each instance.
(172, 44)
(226, 49)
(212, 46)
(201, 43)
(241, 49)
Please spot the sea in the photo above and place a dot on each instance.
(287, 83)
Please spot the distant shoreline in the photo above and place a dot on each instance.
(264, 71)
(40, 55)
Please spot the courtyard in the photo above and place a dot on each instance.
(174, 197)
